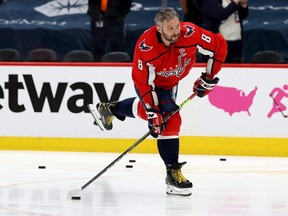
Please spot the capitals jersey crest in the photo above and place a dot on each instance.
(189, 30)
(144, 47)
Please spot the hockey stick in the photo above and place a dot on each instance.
(76, 191)
(278, 107)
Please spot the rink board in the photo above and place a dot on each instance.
(42, 107)
(189, 145)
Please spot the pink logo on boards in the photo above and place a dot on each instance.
(231, 99)
(277, 95)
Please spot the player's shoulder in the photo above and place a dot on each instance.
(148, 45)
(188, 29)
(189, 34)
(149, 33)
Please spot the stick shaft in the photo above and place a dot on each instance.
(137, 143)
(117, 159)
(180, 107)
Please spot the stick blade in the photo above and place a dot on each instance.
(73, 192)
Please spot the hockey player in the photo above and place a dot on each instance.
(165, 54)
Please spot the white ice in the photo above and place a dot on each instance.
(238, 186)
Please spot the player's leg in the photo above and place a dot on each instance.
(168, 147)
(105, 113)
(168, 144)
(176, 183)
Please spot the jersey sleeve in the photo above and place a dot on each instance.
(143, 75)
(213, 45)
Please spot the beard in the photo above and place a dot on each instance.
(172, 39)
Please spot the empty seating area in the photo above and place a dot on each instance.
(267, 56)
(9, 54)
(49, 55)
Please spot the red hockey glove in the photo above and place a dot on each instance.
(204, 86)
(154, 118)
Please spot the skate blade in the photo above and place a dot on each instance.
(93, 110)
(171, 190)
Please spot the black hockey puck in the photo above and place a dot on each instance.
(222, 159)
(41, 167)
(132, 161)
(129, 166)
(76, 198)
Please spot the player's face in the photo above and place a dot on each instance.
(170, 30)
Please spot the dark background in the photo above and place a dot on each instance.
(63, 25)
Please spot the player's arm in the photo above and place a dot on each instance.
(143, 76)
(215, 46)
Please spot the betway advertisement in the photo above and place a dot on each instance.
(51, 101)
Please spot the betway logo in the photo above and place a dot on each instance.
(55, 99)
(63, 7)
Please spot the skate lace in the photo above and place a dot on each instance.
(178, 176)
(104, 106)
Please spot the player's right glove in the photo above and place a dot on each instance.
(204, 86)
(154, 118)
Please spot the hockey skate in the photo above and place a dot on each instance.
(176, 183)
(103, 115)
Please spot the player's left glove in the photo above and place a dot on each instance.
(154, 118)
(204, 86)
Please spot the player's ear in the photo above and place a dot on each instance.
(158, 28)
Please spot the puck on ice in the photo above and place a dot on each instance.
(132, 161)
(41, 167)
(76, 198)
(129, 166)
(222, 159)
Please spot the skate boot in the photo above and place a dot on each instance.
(103, 115)
(176, 183)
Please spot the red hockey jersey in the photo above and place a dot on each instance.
(158, 66)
